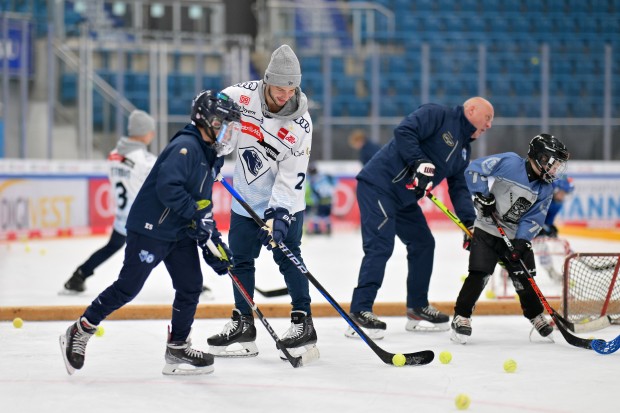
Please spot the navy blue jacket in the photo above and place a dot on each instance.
(438, 133)
(183, 174)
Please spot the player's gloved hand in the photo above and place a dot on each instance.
(221, 260)
(467, 238)
(277, 223)
(520, 248)
(202, 225)
(484, 204)
(422, 177)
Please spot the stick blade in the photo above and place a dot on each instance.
(419, 358)
(603, 347)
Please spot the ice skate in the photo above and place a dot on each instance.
(369, 322)
(75, 284)
(543, 328)
(237, 339)
(426, 319)
(461, 329)
(300, 338)
(183, 360)
(73, 343)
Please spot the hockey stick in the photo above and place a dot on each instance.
(600, 346)
(295, 361)
(272, 293)
(593, 325)
(411, 359)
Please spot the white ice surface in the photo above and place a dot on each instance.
(123, 368)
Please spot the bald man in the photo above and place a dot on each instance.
(431, 144)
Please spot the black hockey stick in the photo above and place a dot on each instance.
(272, 293)
(411, 359)
(600, 346)
(295, 361)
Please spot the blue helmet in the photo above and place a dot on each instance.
(565, 184)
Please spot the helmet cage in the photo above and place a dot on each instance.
(549, 155)
(213, 112)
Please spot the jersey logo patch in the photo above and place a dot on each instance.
(517, 210)
(270, 151)
(251, 129)
(286, 135)
(254, 163)
(448, 139)
(244, 100)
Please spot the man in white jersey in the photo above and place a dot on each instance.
(273, 151)
(129, 163)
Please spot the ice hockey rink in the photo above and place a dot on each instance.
(123, 367)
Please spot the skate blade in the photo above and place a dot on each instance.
(426, 326)
(63, 349)
(65, 292)
(186, 370)
(235, 350)
(458, 338)
(374, 333)
(307, 353)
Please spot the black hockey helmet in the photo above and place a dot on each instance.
(211, 111)
(549, 155)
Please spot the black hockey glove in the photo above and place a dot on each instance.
(484, 204)
(422, 177)
(277, 223)
(222, 260)
(520, 248)
(202, 225)
(549, 231)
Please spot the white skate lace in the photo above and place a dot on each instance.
(368, 315)
(80, 339)
(229, 328)
(189, 351)
(539, 322)
(430, 310)
(294, 330)
(462, 321)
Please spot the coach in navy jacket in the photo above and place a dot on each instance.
(431, 144)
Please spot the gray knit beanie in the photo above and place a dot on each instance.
(140, 123)
(283, 69)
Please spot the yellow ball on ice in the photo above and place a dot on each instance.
(100, 331)
(462, 401)
(463, 277)
(445, 357)
(490, 294)
(398, 360)
(510, 366)
(18, 322)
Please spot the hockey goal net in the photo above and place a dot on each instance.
(591, 287)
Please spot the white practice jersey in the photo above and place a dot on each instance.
(272, 154)
(128, 166)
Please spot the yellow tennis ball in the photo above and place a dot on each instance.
(490, 294)
(445, 357)
(462, 401)
(510, 366)
(463, 277)
(398, 360)
(100, 331)
(18, 322)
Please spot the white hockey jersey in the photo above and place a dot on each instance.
(128, 166)
(272, 152)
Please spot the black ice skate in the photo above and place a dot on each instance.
(182, 359)
(426, 319)
(373, 327)
(73, 343)
(461, 329)
(300, 337)
(75, 284)
(239, 330)
(542, 326)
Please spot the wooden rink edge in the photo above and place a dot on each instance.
(204, 311)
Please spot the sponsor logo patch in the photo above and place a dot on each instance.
(286, 135)
(448, 139)
(244, 100)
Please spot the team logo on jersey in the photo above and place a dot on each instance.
(146, 256)
(254, 163)
(251, 129)
(303, 123)
(270, 151)
(244, 100)
(448, 139)
(520, 207)
(287, 135)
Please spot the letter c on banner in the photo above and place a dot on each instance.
(104, 203)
